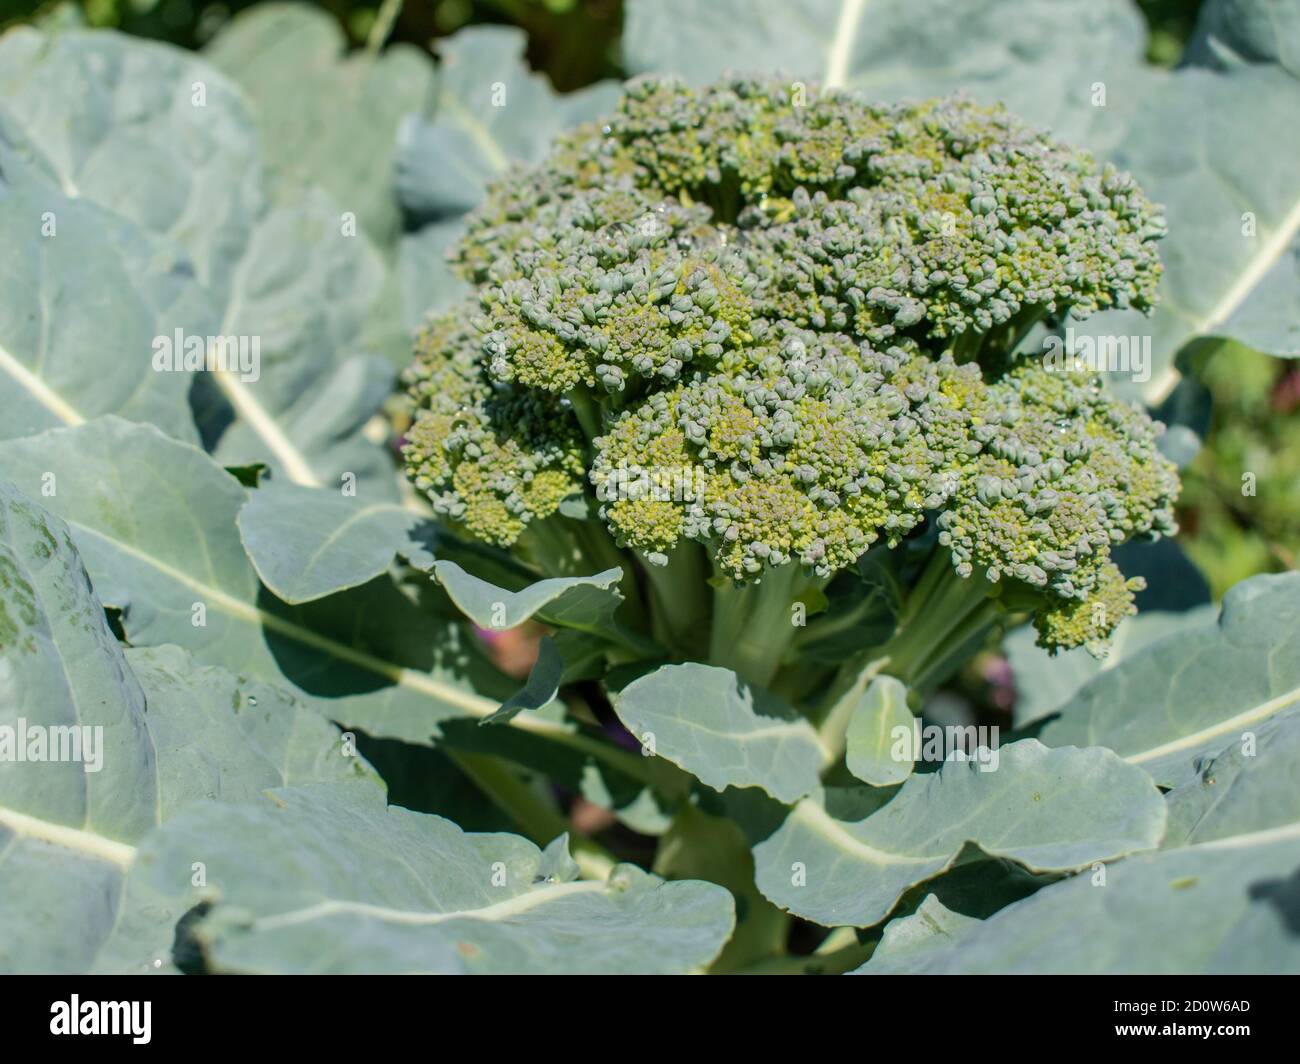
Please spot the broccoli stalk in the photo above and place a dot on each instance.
(752, 622)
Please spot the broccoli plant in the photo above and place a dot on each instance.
(760, 565)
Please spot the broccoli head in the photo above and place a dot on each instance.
(785, 326)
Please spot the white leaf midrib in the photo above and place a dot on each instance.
(502, 910)
(841, 48)
(1257, 268)
(1195, 739)
(87, 842)
(42, 392)
(256, 417)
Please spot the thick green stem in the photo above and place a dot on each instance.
(382, 26)
(753, 624)
(945, 611)
(945, 618)
(679, 598)
(548, 546)
(587, 411)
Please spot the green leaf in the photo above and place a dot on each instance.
(1213, 143)
(83, 295)
(1045, 683)
(68, 827)
(325, 116)
(540, 690)
(585, 603)
(303, 289)
(724, 731)
(1251, 784)
(1218, 898)
(155, 523)
(307, 543)
(908, 941)
(121, 122)
(410, 892)
(62, 667)
(1011, 51)
(1167, 706)
(1222, 907)
(873, 725)
(1049, 810)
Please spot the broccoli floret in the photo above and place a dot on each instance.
(783, 325)
(1063, 473)
(807, 447)
(490, 458)
(602, 301)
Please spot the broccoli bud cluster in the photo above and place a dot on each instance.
(784, 325)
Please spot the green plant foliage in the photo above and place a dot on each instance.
(451, 525)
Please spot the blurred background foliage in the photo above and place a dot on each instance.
(1240, 509)
(574, 41)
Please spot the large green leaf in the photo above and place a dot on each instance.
(325, 116)
(68, 827)
(318, 879)
(1049, 810)
(159, 137)
(1166, 707)
(155, 522)
(1222, 907)
(1220, 897)
(724, 731)
(303, 287)
(1013, 51)
(146, 130)
(1045, 683)
(62, 667)
(1251, 784)
(83, 295)
(1214, 142)
(307, 543)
